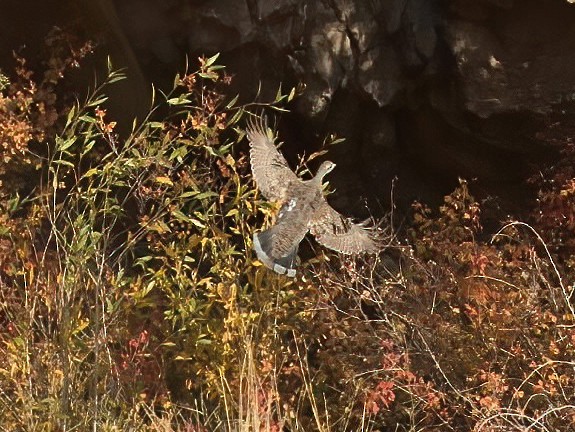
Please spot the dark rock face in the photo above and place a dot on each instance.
(426, 90)
(516, 58)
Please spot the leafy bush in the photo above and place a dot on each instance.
(130, 298)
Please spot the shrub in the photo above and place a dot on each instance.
(130, 298)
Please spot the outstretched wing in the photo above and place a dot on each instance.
(339, 233)
(269, 168)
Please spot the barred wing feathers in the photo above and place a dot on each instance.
(339, 233)
(269, 168)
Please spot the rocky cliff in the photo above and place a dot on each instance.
(425, 90)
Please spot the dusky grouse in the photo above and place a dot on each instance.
(303, 208)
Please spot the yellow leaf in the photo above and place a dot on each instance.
(164, 180)
(91, 172)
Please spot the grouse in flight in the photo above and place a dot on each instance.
(303, 208)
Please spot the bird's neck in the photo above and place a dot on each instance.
(317, 179)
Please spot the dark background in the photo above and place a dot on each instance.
(423, 91)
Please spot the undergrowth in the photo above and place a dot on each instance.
(130, 298)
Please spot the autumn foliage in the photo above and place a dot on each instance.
(130, 298)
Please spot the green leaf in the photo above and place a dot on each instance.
(211, 60)
(180, 100)
(337, 141)
(141, 262)
(87, 119)
(180, 216)
(91, 172)
(209, 75)
(197, 223)
(168, 344)
(208, 194)
(179, 153)
(277, 108)
(96, 102)
(189, 194)
(88, 147)
(279, 95)
(64, 162)
(236, 117)
(232, 102)
(109, 65)
(62, 145)
(71, 115)
(291, 94)
(232, 212)
(149, 287)
(116, 76)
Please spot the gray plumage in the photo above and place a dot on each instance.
(303, 209)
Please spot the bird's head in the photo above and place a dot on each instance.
(325, 168)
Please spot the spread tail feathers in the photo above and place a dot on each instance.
(263, 247)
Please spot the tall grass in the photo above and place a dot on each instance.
(130, 299)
